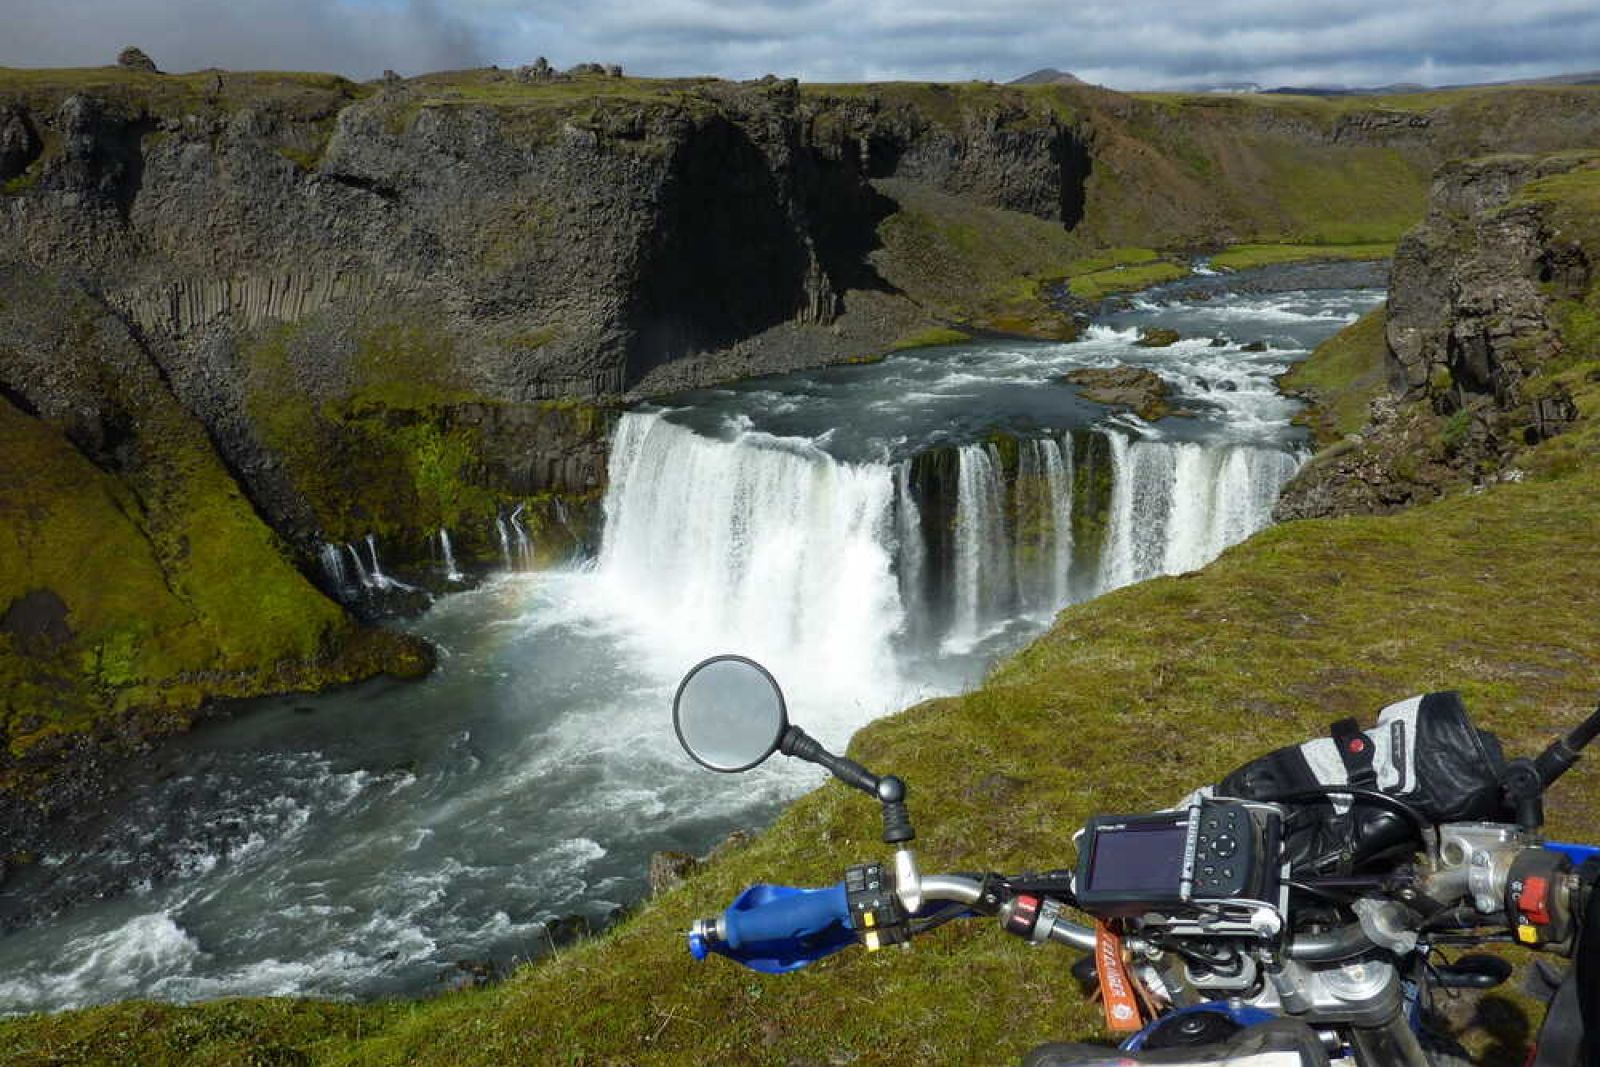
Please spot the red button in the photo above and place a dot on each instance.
(1357, 745)
(1532, 903)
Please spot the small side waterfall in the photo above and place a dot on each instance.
(334, 569)
(503, 532)
(516, 547)
(522, 545)
(379, 579)
(452, 573)
(360, 568)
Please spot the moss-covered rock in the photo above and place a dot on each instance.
(382, 433)
(1157, 337)
(1140, 390)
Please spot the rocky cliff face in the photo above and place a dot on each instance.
(1487, 321)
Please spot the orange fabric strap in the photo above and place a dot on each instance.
(1117, 994)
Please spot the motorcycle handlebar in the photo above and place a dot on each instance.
(778, 928)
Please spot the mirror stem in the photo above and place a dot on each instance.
(801, 745)
(889, 790)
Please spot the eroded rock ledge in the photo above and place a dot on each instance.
(1485, 330)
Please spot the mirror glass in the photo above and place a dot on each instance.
(729, 713)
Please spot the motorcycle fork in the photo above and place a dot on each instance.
(1393, 1044)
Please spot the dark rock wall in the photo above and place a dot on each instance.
(1474, 344)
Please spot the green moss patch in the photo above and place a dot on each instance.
(1342, 377)
(1243, 257)
(973, 265)
(378, 457)
(1099, 284)
(933, 335)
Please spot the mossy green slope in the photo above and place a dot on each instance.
(1342, 377)
(392, 442)
(153, 583)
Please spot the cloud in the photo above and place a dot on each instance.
(350, 37)
(1123, 43)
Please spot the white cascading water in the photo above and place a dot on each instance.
(504, 533)
(360, 568)
(773, 546)
(452, 573)
(909, 551)
(523, 545)
(379, 579)
(764, 545)
(1044, 550)
(333, 566)
(1175, 506)
(982, 557)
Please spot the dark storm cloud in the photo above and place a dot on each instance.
(1123, 43)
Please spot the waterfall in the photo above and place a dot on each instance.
(761, 544)
(379, 579)
(982, 573)
(504, 533)
(910, 552)
(360, 568)
(451, 572)
(333, 567)
(1176, 506)
(519, 535)
(1042, 509)
(772, 546)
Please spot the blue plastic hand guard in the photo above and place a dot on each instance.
(777, 928)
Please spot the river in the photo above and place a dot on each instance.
(877, 534)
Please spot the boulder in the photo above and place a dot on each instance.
(1157, 337)
(131, 58)
(669, 869)
(1141, 391)
(19, 143)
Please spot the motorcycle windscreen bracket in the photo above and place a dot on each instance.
(1213, 853)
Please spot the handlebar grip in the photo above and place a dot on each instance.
(782, 913)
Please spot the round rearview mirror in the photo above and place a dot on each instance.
(729, 713)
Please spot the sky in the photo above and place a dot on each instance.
(1124, 44)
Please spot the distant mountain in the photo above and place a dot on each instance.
(1585, 78)
(1049, 76)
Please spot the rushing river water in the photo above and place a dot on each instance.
(876, 534)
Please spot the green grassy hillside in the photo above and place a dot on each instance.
(1125, 704)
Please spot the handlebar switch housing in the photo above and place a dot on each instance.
(1538, 899)
(875, 910)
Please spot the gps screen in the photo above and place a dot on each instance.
(1138, 859)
